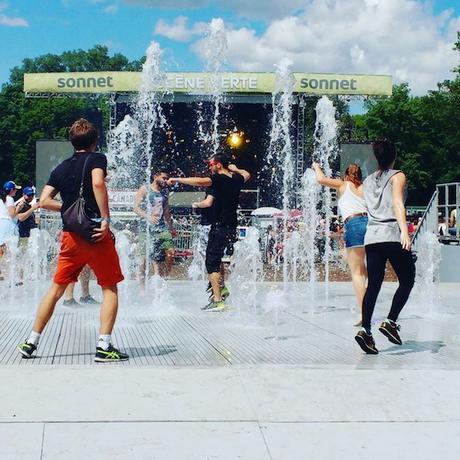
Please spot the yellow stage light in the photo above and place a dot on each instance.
(235, 139)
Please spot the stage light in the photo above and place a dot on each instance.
(235, 139)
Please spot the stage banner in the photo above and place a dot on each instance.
(204, 83)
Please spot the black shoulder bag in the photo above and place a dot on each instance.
(75, 217)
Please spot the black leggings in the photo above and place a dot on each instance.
(403, 264)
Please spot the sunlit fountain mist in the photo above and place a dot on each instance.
(246, 272)
(326, 150)
(280, 148)
(214, 52)
(310, 193)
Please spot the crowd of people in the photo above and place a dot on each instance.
(372, 211)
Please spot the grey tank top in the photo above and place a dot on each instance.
(382, 226)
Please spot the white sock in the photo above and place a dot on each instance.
(104, 341)
(34, 338)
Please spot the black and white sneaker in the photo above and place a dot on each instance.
(390, 330)
(111, 355)
(26, 349)
(366, 342)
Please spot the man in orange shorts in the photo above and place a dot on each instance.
(89, 168)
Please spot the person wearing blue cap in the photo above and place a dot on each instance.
(26, 222)
(8, 214)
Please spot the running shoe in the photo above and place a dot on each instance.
(26, 349)
(390, 330)
(215, 306)
(224, 292)
(88, 300)
(70, 303)
(111, 355)
(366, 342)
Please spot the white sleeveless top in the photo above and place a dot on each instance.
(350, 203)
(4, 214)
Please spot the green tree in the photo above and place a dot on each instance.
(23, 120)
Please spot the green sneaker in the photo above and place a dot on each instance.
(216, 306)
(111, 355)
(26, 349)
(224, 292)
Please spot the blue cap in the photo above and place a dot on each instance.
(10, 185)
(28, 191)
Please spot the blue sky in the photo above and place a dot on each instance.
(412, 43)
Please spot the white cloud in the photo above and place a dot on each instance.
(397, 37)
(9, 20)
(178, 30)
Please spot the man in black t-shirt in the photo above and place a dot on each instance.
(226, 181)
(76, 252)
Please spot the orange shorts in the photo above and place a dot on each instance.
(101, 257)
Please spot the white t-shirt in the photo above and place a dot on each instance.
(4, 214)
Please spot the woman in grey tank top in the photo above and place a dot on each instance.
(387, 238)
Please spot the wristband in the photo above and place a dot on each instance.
(101, 219)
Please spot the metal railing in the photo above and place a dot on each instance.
(448, 212)
(429, 221)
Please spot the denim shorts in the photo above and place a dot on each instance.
(355, 229)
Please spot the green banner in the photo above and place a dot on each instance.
(204, 83)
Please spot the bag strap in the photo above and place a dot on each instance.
(83, 177)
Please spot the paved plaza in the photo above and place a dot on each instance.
(251, 383)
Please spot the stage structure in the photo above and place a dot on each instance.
(191, 87)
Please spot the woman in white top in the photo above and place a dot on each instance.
(353, 210)
(8, 213)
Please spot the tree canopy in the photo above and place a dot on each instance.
(24, 121)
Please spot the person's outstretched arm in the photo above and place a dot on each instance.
(47, 199)
(22, 216)
(324, 180)
(194, 181)
(399, 185)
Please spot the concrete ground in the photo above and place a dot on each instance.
(256, 382)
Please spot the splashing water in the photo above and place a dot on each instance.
(309, 198)
(280, 148)
(326, 150)
(215, 51)
(123, 145)
(246, 271)
(274, 304)
(197, 268)
(427, 272)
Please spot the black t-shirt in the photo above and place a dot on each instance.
(226, 194)
(66, 178)
(207, 214)
(27, 225)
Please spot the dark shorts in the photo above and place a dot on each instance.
(355, 230)
(220, 237)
